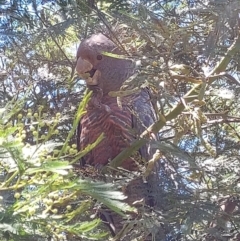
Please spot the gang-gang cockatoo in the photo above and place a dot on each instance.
(107, 70)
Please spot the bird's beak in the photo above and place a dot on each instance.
(83, 66)
(87, 72)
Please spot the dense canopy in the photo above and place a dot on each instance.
(189, 53)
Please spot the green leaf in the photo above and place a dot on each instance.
(52, 166)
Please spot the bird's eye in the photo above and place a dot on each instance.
(99, 57)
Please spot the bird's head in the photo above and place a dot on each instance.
(101, 63)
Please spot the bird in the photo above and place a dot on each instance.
(105, 68)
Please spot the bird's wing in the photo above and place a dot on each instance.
(143, 116)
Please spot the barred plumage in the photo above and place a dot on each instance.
(97, 56)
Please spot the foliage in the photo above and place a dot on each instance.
(41, 195)
(189, 53)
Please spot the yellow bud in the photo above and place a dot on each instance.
(74, 146)
(41, 124)
(56, 132)
(154, 63)
(49, 202)
(48, 226)
(74, 197)
(40, 108)
(17, 195)
(31, 128)
(35, 133)
(55, 212)
(56, 196)
(32, 210)
(61, 236)
(20, 125)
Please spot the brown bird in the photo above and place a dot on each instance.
(102, 64)
(105, 69)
